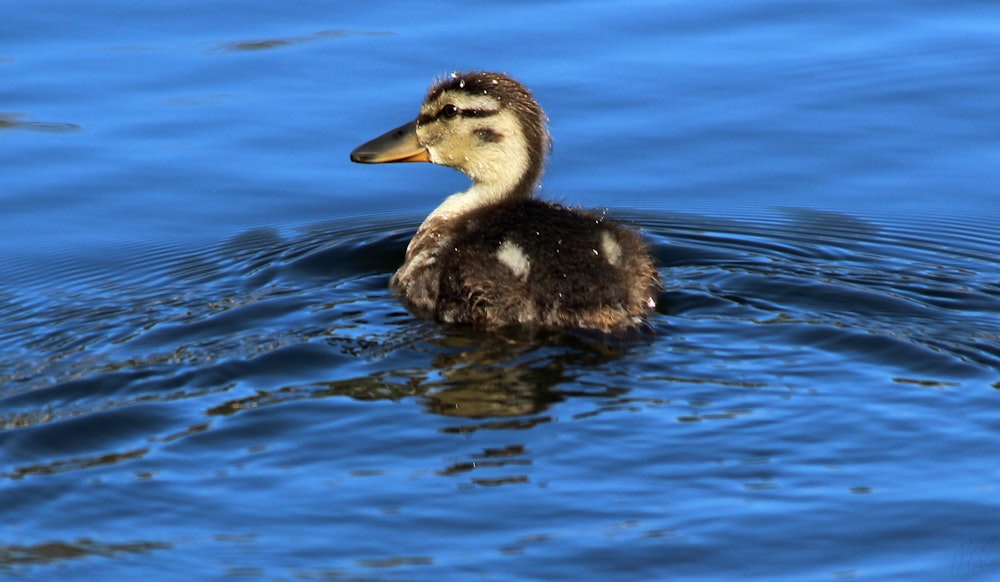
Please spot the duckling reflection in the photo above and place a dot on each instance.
(515, 372)
(493, 255)
(512, 373)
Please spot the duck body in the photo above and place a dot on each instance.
(494, 255)
(528, 262)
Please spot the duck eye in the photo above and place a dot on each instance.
(449, 111)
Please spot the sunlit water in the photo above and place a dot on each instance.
(204, 373)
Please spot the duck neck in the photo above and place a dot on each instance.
(478, 196)
(482, 194)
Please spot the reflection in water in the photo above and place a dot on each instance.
(509, 373)
(273, 43)
(13, 420)
(75, 464)
(493, 458)
(502, 382)
(17, 121)
(48, 552)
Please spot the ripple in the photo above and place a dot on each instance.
(929, 284)
(926, 292)
(281, 42)
(17, 121)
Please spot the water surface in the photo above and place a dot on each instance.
(203, 373)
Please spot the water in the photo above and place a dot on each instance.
(203, 373)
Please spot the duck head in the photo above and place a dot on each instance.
(486, 125)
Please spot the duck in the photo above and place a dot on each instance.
(494, 255)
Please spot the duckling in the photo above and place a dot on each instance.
(494, 255)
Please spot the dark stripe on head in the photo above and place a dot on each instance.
(488, 135)
(426, 118)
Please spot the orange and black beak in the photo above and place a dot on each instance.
(399, 145)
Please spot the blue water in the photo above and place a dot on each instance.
(203, 373)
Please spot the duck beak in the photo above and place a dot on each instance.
(398, 145)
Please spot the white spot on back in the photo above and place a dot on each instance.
(612, 250)
(513, 256)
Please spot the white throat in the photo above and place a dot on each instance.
(477, 196)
